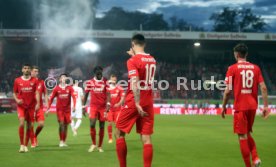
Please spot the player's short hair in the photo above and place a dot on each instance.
(63, 74)
(97, 68)
(35, 67)
(26, 65)
(242, 49)
(139, 39)
(113, 75)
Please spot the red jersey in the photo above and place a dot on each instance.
(26, 90)
(142, 66)
(116, 94)
(244, 78)
(97, 90)
(41, 88)
(63, 95)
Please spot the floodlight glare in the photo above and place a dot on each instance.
(197, 44)
(90, 46)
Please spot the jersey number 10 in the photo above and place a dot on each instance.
(150, 71)
(247, 78)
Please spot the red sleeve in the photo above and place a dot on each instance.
(39, 87)
(53, 95)
(15, 86)
(88, 86)
(260, 76)
(229, 76)
(132, 69)
(122, 92)
(73, 96)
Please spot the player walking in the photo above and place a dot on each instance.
(99, 105)
(39, 115)
(245, 78)
(78, 93)
(64, 93)
(117, 96)
(138, 107)
(27, 98)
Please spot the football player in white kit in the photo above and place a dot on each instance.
(77, 115)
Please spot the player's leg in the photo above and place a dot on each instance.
(109, 126)
(252, 145)
(79, 120)
(241, 128)
(21, 133)
(61, 133)
(65, 127)
(78, 123)
(73, 122)
(147, 150)
(40, 125)
(92, 134)
(121, 147)
(101, 135)
(144, 126)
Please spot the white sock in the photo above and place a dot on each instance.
(72, 124)
(78, 123)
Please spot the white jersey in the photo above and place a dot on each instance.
(78, 92)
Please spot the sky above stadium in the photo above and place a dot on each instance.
(196, 12)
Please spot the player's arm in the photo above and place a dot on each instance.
(84, 100)
(134, 81)
(37, 97)
(226, 97)
(122, 100)
(46, 96)
(15, 91)
(74, 99)
(265, 99)
(53, 95)
(108, 97)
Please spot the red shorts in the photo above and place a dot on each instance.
(112, 116)
(243, 121)
(64, 116)
(129, 116)
(28, 114)
(39, 115)
(97, 113)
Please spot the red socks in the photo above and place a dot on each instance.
(101, 137)
(38, 130)
(147, 154)
(27, 137)
(121, 150)
(93, 135)
(32, 135)
(21, 134)
(244, 147)
(109, 129)
(252, 147)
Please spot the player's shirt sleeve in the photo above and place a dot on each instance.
(15, 86)
(260, 76)
(122, 92)
(40, 87)
(132, 69)
(88, 86)
(229, 76)
(53, 95)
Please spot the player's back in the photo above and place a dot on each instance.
(143, 66)
(245, 78)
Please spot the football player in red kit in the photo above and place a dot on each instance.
(117, 96)
(27, 98)
(99, 105)
(138, 107)
(64, 93)
(245, 77)
(39, 115)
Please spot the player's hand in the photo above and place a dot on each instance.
(223, 113)
(266, 113)
(105, 114)
(47, 112)
(84, 112)
(140, 110)
(19, 101)
(131, 52)
(37, 107)
(74, 109)
(117, 105)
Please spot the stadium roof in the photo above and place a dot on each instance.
(174, 35)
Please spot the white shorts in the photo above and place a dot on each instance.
(77, 114)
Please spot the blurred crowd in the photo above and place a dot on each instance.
(195, 74)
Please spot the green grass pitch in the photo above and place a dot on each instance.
(179, 141)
